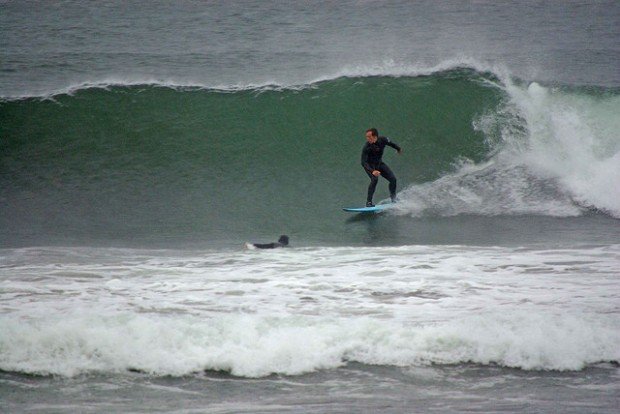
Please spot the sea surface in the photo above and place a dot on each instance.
(142, 144)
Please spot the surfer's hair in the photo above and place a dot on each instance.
(373, 131)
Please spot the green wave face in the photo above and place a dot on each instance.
(135, 162)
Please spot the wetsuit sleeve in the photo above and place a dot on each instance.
(392, 144)
(266, 245)
(365, 163)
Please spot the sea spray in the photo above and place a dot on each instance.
(554, 152)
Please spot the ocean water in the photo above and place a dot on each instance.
(141, 145)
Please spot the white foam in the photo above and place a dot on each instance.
(574, 139)
(299, 310)
(255, 345)
(556, 153)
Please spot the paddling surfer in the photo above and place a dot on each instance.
(374, 166)
(282, 242)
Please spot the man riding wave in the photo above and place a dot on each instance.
(374, 166)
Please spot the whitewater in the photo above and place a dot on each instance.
(295, 311)
(554, 152)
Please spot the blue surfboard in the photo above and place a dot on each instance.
(375, 209)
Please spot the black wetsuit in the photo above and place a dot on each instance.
(282, 242)
(268, 245)
(371, 160)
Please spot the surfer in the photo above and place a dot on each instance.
(374, 167)
(282, 242)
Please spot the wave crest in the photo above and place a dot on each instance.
(257, 346)
(387, 69)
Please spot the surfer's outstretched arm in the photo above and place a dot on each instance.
(394, 145)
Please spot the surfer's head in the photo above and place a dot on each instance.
(371, 135)
(283, 240)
